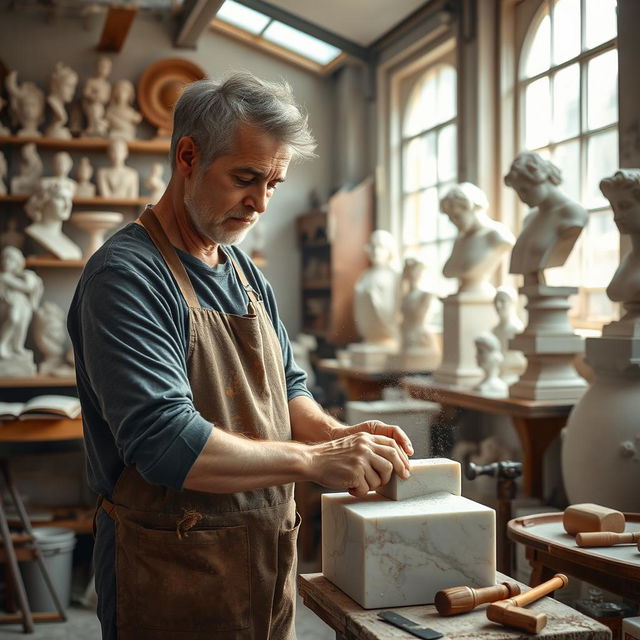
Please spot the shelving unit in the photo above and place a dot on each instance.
(98, 201)
(155, 146)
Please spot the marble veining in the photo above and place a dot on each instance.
(427, 476)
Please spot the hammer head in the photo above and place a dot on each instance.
(512, 616)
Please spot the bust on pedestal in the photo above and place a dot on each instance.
(549, 234)
(118, 180)
(62, 86)
(479, 248)
(376, 303)
(601, 444)
(120, 114)
(27, 105)
(509, 325)
(489, 357)
(95, 95)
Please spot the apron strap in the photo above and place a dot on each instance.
(253, 295)
(167, 251)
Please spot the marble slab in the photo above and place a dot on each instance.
(427, 476)
(387, 553)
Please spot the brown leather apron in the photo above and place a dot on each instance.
(197, 565)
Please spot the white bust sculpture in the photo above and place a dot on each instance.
(509, 325)
(622, 190)
(3, 174)
(28, 178)
(554, 222)
(157, 185)
(118, 180)
(20, 293)
(62, 86)
(121, 117)
(95, 95)
(414, 308)
(49, 207)
(376, 292)
(62, 165)
(489, 359)
(27, 105)
(481, 242)
(50, 337)
(84, 171)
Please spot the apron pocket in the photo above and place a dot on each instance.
(198, 583)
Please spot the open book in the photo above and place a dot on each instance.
(51, 407)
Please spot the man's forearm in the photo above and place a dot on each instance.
(309, 423)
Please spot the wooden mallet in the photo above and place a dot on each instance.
(511, 613)
(456, 600)
(606, 538)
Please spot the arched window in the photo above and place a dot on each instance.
(568, 79)
(429, 167)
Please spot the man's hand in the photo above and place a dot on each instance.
(363, 460)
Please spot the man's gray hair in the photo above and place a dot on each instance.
(209, 112)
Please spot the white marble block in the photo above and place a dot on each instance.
(427, 476)
(387, 553)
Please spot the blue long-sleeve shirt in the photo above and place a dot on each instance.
(129, 326)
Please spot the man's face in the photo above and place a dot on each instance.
(226, 199)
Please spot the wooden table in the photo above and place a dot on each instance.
(361, 384)
(351, 622)
(537, 422)
(550, 549)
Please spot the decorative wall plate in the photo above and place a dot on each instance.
(160, 87)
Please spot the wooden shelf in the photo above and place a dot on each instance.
(160, 145)
(90, 202)
(45, 263)
(316, 284)
(37, 381)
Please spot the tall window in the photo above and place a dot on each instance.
(429, 168)
(569, 111)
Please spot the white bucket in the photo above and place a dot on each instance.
(56, 545)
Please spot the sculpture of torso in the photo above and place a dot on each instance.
(376, 305)
(625, 284)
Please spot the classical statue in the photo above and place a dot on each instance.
(28, 178)
(49, 207)
(489, 359)
(50, 337)
(3, 174)
(62, 165)
(414, 308)
(84, 171)
(121, 117)
(622, 190)
(155, 183)
(480, 244)
(62, 86)
(20, 293)
(27, 105)
(376, 292)
(118, 180)
(509, 325)
(95, 95)
(554, 222)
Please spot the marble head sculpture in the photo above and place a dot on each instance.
(481, 242)
(120, 114)
(62, 86)
(95, 95)
(489, 358)
(554, 222)
(377, 292)
(27, 105)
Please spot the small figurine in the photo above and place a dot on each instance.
(28, 178)
(118, 180)
(121, 117)
(62, 86)
(27, 105)
(155, 183)
(86, 188)
(489, 359)
(50, 337)
(62, 165)
(508, 327)
(414, 308)
(95, 95)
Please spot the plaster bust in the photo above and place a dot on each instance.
(121, 117)
(62, 165)
(489, 359)
(414, 307)
(118, 180)
(157, 185)
(481, 242)
(95, 95)
(376, 292)
(622, 190)
(62, 86)
(50, 337)
(554, 222)
(20, 293)
(509, 325)
(84, 171)
(27, 105)
(49, 207)
(28, 178)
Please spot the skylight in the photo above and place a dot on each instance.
(277, 33)
(243, 17)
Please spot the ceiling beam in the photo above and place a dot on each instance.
(116, 28)
(348, 46)
(195, 17)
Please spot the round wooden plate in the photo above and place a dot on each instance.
(160, 87)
